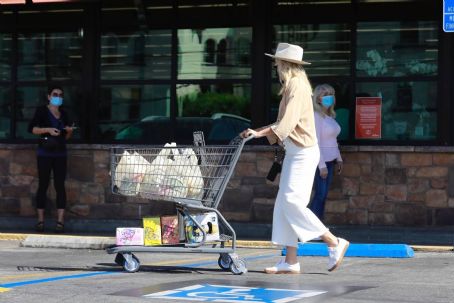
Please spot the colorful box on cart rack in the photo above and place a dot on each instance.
(152, 231)
(169, 229)
(209, 223)
(129, 236)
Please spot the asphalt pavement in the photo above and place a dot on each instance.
(30, 274)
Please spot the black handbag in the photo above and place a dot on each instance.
(50, 144)
(277, 165)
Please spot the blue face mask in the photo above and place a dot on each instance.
(56, 101)
(327, 101)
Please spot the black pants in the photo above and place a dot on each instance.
(46, 165)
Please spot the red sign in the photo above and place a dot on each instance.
(368, 118)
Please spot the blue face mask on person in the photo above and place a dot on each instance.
(56, 101)
(327, 101)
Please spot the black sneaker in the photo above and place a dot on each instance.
(39, 227)
(60, 228)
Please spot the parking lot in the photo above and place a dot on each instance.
(80, 275)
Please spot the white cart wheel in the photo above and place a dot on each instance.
(238, 269)
(224, 261)
(131, 263)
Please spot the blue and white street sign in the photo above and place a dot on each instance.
(448, 16)
(234, 294)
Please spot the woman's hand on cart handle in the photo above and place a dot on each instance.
(248, 134)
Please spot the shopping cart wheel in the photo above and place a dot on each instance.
(239, 268)
(131, 263)
(224, 261)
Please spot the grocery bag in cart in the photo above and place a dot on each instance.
(173, 172)
(129, 172)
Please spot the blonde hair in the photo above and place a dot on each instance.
(287, 71)
(325, 90)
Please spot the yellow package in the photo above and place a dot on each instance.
(152, 231)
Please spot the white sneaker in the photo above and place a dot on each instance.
(284, 268)
(336, 254)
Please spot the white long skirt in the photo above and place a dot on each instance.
(292, 220)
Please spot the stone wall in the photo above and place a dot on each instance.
(407, 186)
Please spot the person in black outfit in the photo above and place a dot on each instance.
(50, 122)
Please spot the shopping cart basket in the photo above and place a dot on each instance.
(194, 178)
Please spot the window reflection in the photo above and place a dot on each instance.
(327, 46)
(137, 55)
(28, 98)
(393, 1)
(409, 109)
(397, 48)
(342, 107)
(213, 4)
(5, 113)
(306, 2)
(125, 111)
(221, 111)
(49, 56)
(5, 57)
(214, 53)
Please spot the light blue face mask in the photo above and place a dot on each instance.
(56, 101)
(327, 101)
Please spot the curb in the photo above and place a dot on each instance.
(12, 237)
(427, 248)
(101, 242)
(59, 241)
(255, 244)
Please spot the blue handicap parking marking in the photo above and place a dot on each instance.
(223, 293)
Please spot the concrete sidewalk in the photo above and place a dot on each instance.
(102, 242)
(98, 234)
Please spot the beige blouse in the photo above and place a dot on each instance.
(296, 116)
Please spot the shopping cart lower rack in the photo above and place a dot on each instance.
(194, 178)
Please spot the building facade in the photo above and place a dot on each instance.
(148, 72)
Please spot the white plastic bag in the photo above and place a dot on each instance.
(161, 177)
(188, 168)
(130, 172)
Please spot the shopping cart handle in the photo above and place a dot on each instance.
(248, 138)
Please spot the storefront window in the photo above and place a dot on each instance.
(214, 53)
(312, 2)
(5, 57)
(342, 107)
(409, 109)
(136, 55)
(390, 1)
(5, 113)
(29, 98)
(326, 46)
(134, 112)
(396, 49)
(221, 111)
(49, 56)
(213, 4)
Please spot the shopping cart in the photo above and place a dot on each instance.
(194, 178)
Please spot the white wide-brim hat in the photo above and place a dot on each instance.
(289, 52)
